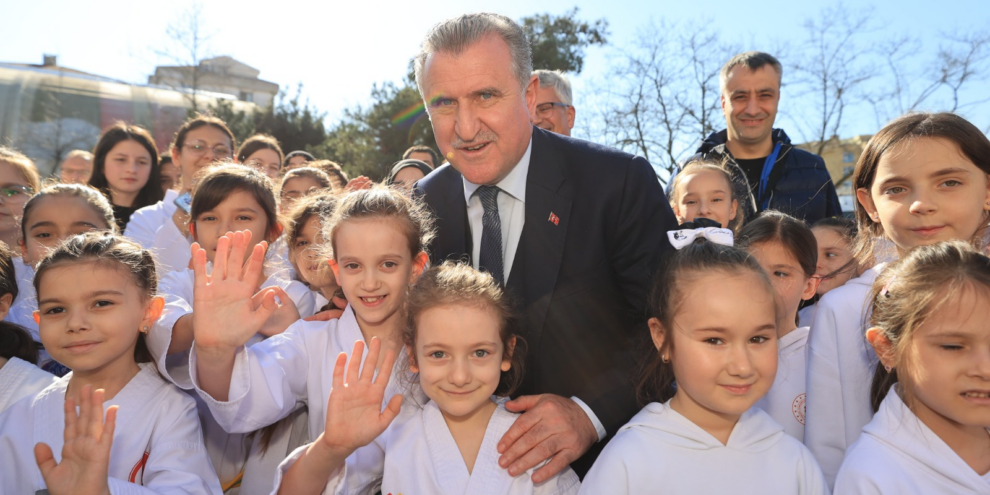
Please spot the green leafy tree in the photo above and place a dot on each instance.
(293, 121)
(240, 122)
(559, 42)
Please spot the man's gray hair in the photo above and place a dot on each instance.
(753, 61)
(558, 81)
(453, 36)
(85, 155)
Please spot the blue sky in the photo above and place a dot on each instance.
(339, 49)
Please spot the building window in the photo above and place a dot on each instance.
(246, 96)
(847, 171)
(848, 157)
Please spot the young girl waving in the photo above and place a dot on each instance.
(714, 326)
(785, 248)
(377, 238)
(96, 302)
(922, 179)
(931, 394)
(460, 345)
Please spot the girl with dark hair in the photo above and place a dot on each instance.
(125, 169)
(714, 326)
(466, 360)
(262, 152)
(54, 214)
(785, 248)
(231, 198)
(931, 391)
(163, 228)
(97, 303)
(924, 178)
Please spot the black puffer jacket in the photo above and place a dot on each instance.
(799, 184)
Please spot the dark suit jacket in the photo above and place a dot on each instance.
(580, 283)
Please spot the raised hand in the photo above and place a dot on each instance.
(285, 315)
(226, 310)
(85, 462)
(354, 411)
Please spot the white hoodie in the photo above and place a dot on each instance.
(898, 454)
(840, 371)
(661, 452)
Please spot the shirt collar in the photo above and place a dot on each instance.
(514, 183)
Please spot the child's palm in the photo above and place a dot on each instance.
(226, 311)
(86, 450)
(354, 411)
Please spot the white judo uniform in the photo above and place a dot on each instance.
(19, 379)
(274, 377)
(840, 370)
(230, 454)
(177, 289)
(152, 227)
(898, 454)
(157, 444)
(418, 454)
(661, 452)
(785, 402)
(22, 311)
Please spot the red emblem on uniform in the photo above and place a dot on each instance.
(798, 407)
(554, 218)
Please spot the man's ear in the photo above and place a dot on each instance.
(530, 94)
(5, 301)
(571, 114)
(510, 347)
(881, 345)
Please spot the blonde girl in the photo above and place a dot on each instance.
(703, 188)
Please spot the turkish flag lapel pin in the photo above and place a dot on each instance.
(554, 219)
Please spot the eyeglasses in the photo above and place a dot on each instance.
(546, 109)
(199, 149)
(15, 192)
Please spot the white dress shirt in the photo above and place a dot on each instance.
(511, 212)
(512, 216)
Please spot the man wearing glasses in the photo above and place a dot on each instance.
(554, 109)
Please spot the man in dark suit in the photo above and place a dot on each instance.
(574, 230)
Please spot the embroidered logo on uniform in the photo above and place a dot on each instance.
(556, 221)
(799, 407)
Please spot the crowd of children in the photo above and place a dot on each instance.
(262, 331)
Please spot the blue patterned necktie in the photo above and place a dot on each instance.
(491, 233)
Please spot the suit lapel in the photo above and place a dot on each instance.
(451, 216)
(541, 246)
